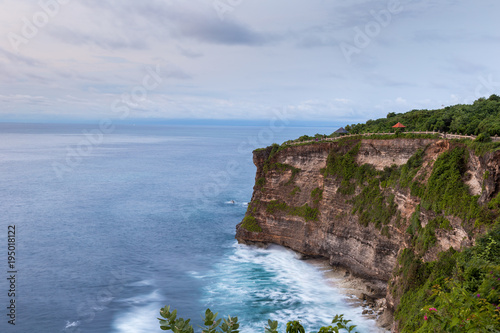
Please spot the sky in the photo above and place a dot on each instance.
(317, 61)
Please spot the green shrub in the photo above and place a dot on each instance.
(385, 232)
(483, 116)
(457, 293)
(275, 206)
(346, 187)
(317, 195)
(373, 206)
(305, 211)
(481, 148)
(170, 322)
(495, 202)
(250, 223)
(412, 271)
(342, 165)
(415, 226)
(295, 190)
(389, 176)
(281, 168)
(304, 138)
(443, 223)
(427, 237)
(261, 182)
(270, 163)
(445, 190)
(483, 137)
(410, 169)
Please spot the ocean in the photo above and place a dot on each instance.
(112, 222)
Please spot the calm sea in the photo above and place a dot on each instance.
(113, 224)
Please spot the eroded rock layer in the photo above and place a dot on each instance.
(299, 204)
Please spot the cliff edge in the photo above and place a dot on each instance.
(361, 202)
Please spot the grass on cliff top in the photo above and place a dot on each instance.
(341, 140)
(483, 116)
(480, 117)
(271, 164)
(481, 148)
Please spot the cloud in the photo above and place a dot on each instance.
(228, 33)
(110, 42)
(26, 100)
(377, 79)
(171, 71)
(401, 101)
(20, 59)
(457, 65)
(189, 52)
(115, 60)
(136, 25)
(200, 22)
(261, 56)
(320, 109)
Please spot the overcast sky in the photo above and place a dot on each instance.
(321, 60)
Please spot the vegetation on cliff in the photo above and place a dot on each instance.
(483, 116)
(271, 165)
(170, 322)
(470, 279)
(444, 192)
(437, 285)
(304, 211)
(342, 164)
(250, 223)
(452, 291)
(457, 293)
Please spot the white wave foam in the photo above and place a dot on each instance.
(72, 324)
(138, 320)
(142, 299)
(142, 283)
(257, 284)
(196, 275)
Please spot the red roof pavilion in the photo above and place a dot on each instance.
(399, 125)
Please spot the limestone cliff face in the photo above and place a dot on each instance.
(297, 180)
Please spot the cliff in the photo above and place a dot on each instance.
(360, 202)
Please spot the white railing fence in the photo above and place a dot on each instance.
(441, 134)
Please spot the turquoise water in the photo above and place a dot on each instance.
(112, 227)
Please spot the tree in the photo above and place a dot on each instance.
(170, 322)
(495, 98)
(483, 137)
